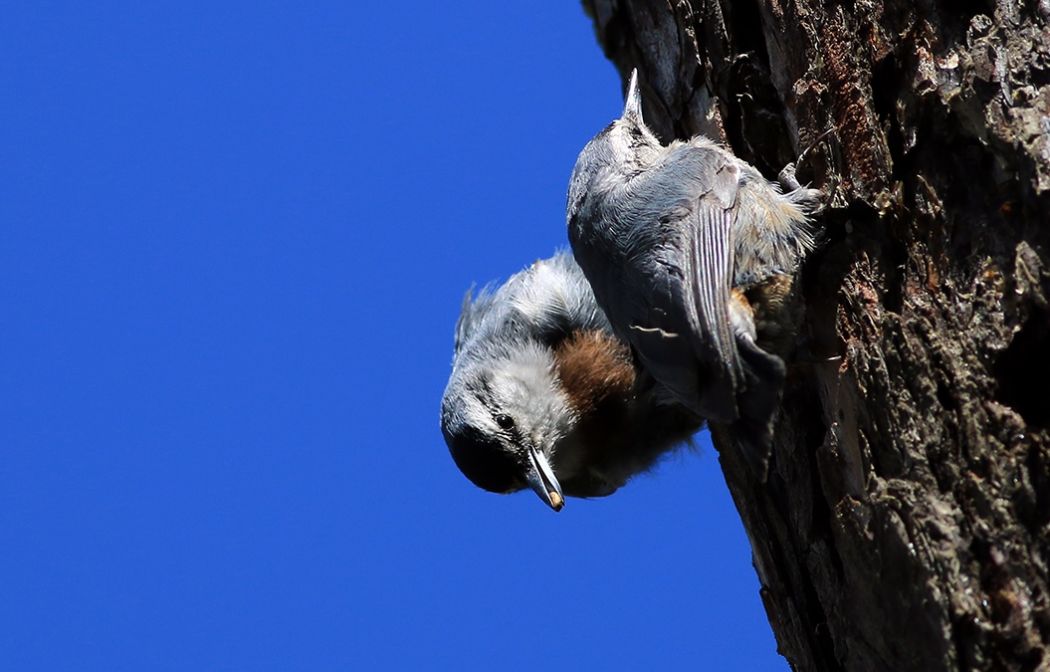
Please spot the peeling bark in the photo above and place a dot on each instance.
(906, 521)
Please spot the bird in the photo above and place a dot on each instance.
(680, 243)
(544, 395)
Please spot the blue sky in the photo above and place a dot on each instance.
(234, 238)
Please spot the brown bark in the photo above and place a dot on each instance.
(906, 521)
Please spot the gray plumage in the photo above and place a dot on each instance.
(543, 395)
(665, 234)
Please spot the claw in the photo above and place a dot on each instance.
(787, 178)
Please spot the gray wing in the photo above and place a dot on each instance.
(683, 333)
(709, 268)
(747, 375)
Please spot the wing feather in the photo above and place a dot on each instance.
(710, 272)
(673, 229)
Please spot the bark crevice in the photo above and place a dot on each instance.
(906, 521)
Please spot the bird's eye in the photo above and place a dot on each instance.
(504, 421)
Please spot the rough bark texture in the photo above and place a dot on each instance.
(906, 521)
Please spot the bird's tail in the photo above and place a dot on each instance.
(757, 404)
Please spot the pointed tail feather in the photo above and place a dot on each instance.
(757, 404)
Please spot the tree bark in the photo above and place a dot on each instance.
(905, 524)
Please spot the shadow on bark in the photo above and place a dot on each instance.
(906, 522)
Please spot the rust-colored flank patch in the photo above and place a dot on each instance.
(593, 366)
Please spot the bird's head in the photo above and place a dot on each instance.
(502, 417)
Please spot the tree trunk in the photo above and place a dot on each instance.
(905, 524)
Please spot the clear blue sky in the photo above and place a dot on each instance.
(233, 242)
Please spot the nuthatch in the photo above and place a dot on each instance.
(671, 238)
(544, 395)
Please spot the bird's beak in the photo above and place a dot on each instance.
(632, 108)
(541, 479)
